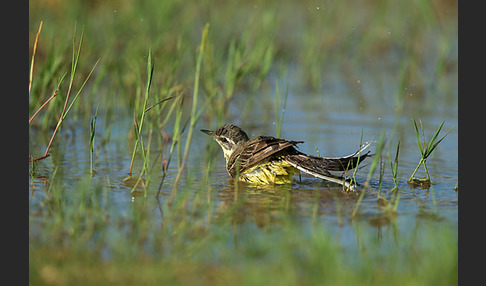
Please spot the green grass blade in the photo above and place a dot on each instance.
(280, 112)
(376, 158)
(138, 127)
(430, 147)
(150, 72)
(193, 118)
(80, 89)
(417, 134)
(395, 164)
(92, 138)
(440, 140)
(437, 143)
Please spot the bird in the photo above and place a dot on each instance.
(266, 160)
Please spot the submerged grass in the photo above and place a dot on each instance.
(91, 241)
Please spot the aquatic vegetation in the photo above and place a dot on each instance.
(92, 129)
(394, 167)
(66, 108)
(425, 152)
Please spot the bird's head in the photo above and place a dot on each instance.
(229, 137)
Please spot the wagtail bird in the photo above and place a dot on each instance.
(270, 160)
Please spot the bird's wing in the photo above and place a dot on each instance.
(256, 150)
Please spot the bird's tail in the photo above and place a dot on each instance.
(321, 166)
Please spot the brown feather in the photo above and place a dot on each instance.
(256, 150)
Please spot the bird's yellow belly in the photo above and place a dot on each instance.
(269, 172)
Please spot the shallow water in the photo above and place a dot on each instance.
(332, 122)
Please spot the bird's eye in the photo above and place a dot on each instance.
(223, 140)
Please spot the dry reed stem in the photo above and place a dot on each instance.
(33, 56)
(45, 103)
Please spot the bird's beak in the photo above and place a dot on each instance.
(208, 132)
